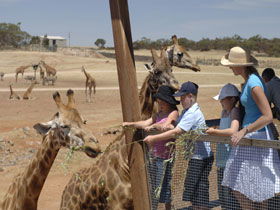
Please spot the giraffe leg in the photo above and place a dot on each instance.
(86, 93)
(90, 91)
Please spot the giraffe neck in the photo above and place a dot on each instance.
(146, 101)
(27, 186)
(11, 90)
(86, 74)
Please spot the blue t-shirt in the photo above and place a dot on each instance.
(193, 119)
(252, 112)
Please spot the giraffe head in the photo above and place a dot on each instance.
(178, 56)
(160, 72)
(65, 127)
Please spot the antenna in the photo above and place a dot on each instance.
(69, 39)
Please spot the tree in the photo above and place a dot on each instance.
(35, 40)
(100, 43)
(12, 36)
(45, 41)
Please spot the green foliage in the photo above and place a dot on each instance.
(35, 40)
(45, 41)
(100, 43)
(256, 43)
(11, 35)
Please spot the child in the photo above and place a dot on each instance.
(162, 120)
(196, 183)
(229, 124)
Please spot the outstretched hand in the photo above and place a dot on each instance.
(210, 131)
(237, 136)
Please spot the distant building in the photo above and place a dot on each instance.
(57, 41)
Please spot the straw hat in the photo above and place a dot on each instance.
(238, 57)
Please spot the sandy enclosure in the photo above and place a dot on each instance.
(18, 140)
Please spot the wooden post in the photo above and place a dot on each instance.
(129, 99)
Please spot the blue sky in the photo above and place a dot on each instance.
(87, 20)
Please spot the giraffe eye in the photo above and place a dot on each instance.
(180, 54)
(157, 72)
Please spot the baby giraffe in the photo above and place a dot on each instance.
(62, 131)
(20, 70)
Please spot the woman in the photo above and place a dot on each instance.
(251, 172)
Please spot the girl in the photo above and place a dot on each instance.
(229, 124)
(162, 120)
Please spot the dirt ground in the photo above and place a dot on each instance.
(18, 140)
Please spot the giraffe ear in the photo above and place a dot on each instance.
(155, 56)
(93, 153)
(42, 129)
(147, 67)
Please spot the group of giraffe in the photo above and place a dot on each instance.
(106, 183)
(90, 83)
(50, 71)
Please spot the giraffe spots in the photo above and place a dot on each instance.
(77, 190)
(103, 165)
(71, 188)
(111, 180)
(101, 182)
(65, 197)
(49, 153)
(121, 195)
(29, 204)
(74, 199)
(42, 167)
(35, 185)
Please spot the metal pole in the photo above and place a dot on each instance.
(129, 99)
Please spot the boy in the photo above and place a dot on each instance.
(196, 183)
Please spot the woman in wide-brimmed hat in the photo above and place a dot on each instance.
(162, 120)
(252, 172)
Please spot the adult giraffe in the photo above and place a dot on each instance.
(90, 84)
(106, 184)
(63, 131)
(20, 70)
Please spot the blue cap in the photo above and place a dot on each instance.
(186, 88)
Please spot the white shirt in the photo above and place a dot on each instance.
(193, 119)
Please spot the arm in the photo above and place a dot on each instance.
(234, 126)
(139, 124)
(167, 125)
(266, 117)
(151, 139)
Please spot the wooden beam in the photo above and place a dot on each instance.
(129, 99)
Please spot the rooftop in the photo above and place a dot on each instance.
(53, 37)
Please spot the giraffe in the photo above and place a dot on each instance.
(62, 131)
(178, 56)
(49, 70)
(27, 94)
(90, 83)
(20, 70)
(13, 95)
(106, 184)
